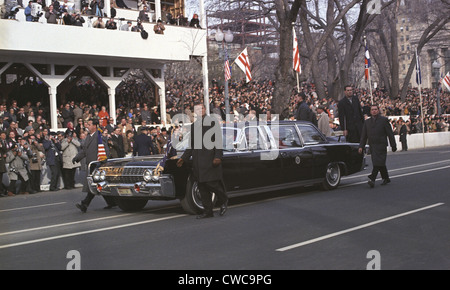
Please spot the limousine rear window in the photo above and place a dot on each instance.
(310, 135)
(286, 136)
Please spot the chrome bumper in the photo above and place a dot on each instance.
(165, 188)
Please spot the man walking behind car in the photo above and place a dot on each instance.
(206, 163)
(377, 130)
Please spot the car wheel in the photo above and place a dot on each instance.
(332, 176)
(192, 201)
(127, 204)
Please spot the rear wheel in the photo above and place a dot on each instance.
(127, 204)
(192, 201)
(332, 177)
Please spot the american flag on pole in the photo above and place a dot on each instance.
(418, 72)
(296, 54)
(244, 64)
(227, 67)
(101, 152)
(446, 81)
(367, 63)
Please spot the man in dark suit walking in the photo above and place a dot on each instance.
(351, 118)
(377, 130)
(89, 150)
(206, 163)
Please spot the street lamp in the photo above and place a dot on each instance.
(228, 37)
(436, 67)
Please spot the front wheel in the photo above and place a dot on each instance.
(332, 176)
(192, 201)
(127, 204)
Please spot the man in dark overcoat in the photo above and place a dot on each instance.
(89, 150)
(207, 154)
(377, 130)
(351, 119)
(403, 133)
(143, 144)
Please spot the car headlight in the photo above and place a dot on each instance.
(102, 175)
(147, 175)
(96, 175)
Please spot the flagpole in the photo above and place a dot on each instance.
(368, 72)
(419, 78)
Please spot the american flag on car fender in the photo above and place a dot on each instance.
(170, 152)
(101, 152)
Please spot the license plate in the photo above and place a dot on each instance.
(124, 191)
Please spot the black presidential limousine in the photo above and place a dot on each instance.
(257, 158)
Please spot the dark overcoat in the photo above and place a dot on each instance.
(351, 118)
(403, 133)
(143, 145)
(202, 152)
(375, 132)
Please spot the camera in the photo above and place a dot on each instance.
(36, 11)
(34, 158)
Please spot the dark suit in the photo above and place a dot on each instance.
(208, 176)
(403, 134)
(116, 146)
(351, 118)
(53, 158)
(89, 150)
(143, 145)
(376, 131)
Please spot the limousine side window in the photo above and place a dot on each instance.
(310, 135)
(254, 139)
(286, 136)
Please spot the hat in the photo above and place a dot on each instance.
(144, 128)
(28, 128)
(321, 107)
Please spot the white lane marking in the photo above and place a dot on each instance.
(34, 206)
(89, 232)
(76, 222)
(396, 176)
(397, 169)
(355, 228)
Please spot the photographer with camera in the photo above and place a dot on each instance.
(17, 170)
(35, 165)
(159, 27)
(51, 15)
(111, 24)
(53, 159)
(78, 20)
(69, 146)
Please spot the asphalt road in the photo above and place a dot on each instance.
(403, 225)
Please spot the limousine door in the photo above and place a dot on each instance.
(257, 168)
(296, 159)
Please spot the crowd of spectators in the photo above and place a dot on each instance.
(67, 13)
(27, 143)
